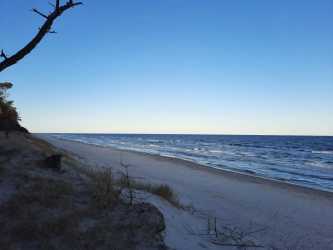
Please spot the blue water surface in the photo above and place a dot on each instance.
(301, 160)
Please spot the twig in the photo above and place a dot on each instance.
(39, 13)
(3, 55)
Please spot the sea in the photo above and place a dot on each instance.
(300, 160)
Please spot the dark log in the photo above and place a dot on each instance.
(53, 162)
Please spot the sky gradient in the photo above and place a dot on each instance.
(175, 66)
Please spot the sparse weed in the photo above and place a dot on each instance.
(105, 193)
(162, 190)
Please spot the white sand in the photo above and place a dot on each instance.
(293, 217)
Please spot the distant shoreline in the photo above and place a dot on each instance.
(227, 172)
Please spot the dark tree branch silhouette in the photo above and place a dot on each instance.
(43, 31)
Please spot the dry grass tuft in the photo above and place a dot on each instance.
(104, 190)
(165, 192)
(162, 190)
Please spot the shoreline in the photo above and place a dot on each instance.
(225, 172)
(289, 214)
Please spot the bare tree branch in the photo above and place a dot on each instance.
(58, 5)
(45, 29)
(3, 55)
(40, 13)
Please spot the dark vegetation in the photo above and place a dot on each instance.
(9, 117)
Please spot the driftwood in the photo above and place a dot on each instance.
(53, 162)
(43, 31)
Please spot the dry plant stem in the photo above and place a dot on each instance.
(128, 183)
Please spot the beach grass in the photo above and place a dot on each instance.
(161, 190)
(106, 187)
(103, 187)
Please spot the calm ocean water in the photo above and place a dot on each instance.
(301, 160)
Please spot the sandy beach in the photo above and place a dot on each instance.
(166, 125)
(274, 214)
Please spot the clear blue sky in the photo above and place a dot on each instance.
(175, 66)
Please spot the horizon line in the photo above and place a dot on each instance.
(207, 134)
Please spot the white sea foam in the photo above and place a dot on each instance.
(323, 152)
